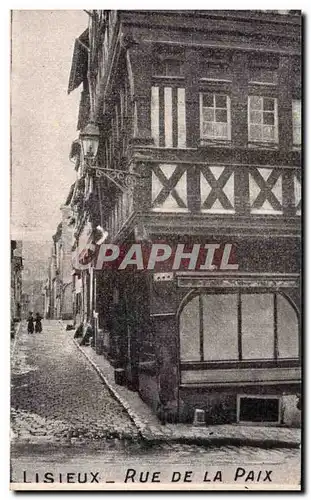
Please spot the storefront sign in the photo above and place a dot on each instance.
(236, 282)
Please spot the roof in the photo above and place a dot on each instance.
(78, 71)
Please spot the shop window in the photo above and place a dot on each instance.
(288, 334)
(296, 114)
(220, 314)
(215, 116)
(257, 323)
(238, 327)
(262, 119)
(190, 331)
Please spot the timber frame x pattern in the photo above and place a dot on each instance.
(168, 179)
(216, 189)
(243, 189)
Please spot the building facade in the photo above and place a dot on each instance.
(16, 279)
(203, 109)
(58, 292)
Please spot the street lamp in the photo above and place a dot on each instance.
(89, 138)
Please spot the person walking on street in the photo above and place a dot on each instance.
(30, 325)
(38, 325)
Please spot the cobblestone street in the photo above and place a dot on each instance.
(64, 416)
(57, 395)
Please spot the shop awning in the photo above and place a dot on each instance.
(78, 71)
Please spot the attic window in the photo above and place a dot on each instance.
(263, 70)
(263, 75)
(170, 67)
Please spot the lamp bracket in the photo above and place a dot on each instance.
(124, 180)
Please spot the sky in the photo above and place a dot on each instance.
(43, 118)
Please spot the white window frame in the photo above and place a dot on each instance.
(209, 138)
(276, 120)
(295, 144)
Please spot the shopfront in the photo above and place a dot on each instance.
(227, 342)
(241, 346)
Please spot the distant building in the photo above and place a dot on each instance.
(35, 254)
(25, 305)
(16, 279)
(58, 301)
(33, 296)
(47, 295)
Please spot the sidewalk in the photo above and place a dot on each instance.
(151, 429)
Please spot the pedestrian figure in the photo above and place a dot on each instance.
(38, 326)
(30, 325)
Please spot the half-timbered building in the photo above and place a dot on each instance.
(201, 111)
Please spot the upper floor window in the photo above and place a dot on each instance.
(264, 76)
(170, 67)
(263, 69)
(212, 70)
(215, 116)
(296, 113)
(262, 119)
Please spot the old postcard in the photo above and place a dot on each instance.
(155, 250)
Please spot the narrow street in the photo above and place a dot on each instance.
(63, 416)
(57, 395)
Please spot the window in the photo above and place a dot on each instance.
(263, 76)
(212, 71)
(215, 116)
(258, 409)
(238, 326)
(220, 315)
(190, 322)
(296, 111)
(263, 69)
(257, 323)
(170, 67)
(262, 119)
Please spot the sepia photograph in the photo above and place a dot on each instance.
(155, 237)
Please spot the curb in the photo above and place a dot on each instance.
(155, 436)
(133, 416)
